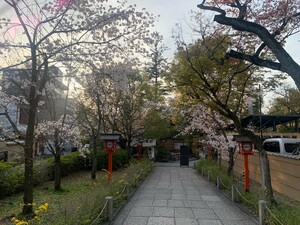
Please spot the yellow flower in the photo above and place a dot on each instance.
(46, 206)
(36, 218)
(14, 219)
(22, 223)
(43, 207)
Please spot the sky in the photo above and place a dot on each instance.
(170, 12)
(174, 11)
(177, 11)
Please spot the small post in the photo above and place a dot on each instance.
(208, 176)
(218, 182)
(262, 204)
(202, 171)
(109, 207)
(233, 193)
(127, 189)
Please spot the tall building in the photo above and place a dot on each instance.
(14, 91)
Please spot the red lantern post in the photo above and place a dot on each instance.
(139, 150)
(245, 148)
(110, 142)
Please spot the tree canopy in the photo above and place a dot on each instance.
(223, 85)
(287, 102)
(200, 73)
(38, 34)
(261, 29)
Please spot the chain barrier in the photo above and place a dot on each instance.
(104, 207)
(246, 200)
(211, 176)
(226, 187)
(122, 192)
(106, 202)
(203, 171)
(277, 220)
(239, 193)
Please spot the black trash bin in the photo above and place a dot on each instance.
(184, 155)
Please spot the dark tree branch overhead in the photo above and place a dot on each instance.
(255, 60)
(211, 8)
(284, 63)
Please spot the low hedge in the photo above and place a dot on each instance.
(120, 159)
(69, 163)
(12, 174)
(11, 178)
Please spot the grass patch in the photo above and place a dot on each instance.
(205, 166)
(286, 212)
(81, 198)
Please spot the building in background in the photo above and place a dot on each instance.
(14, 91)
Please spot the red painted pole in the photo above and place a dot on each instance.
(109, 166)
(139, 148)
(246, 170)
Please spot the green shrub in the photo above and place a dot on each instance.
(162, 154)
(120, 159)
(42, 171)
(285, 211)
(12, 174)
(69, 163)
(11, 178)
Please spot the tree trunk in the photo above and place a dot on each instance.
(267, 190)
(266, 182)
(94, 162)
(28, 171)
(231, 161)
(128, 142)
(29, 141)
(220, 158)
(57, 182)
(28, 182)
(57, 154)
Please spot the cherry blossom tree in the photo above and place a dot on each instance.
(60, 128)
(202, 75)
(130, 106)
(213, 126)
(111, 101)
(91, 104)
(54, 135)
(41, 33)
(14, 89)
(261, 29)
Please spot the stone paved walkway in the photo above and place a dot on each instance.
(174, 195)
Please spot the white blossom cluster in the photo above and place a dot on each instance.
(201, 119)
(68, 130)
(84, 151)
(9, 99)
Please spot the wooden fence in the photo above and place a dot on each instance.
(285, 172)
